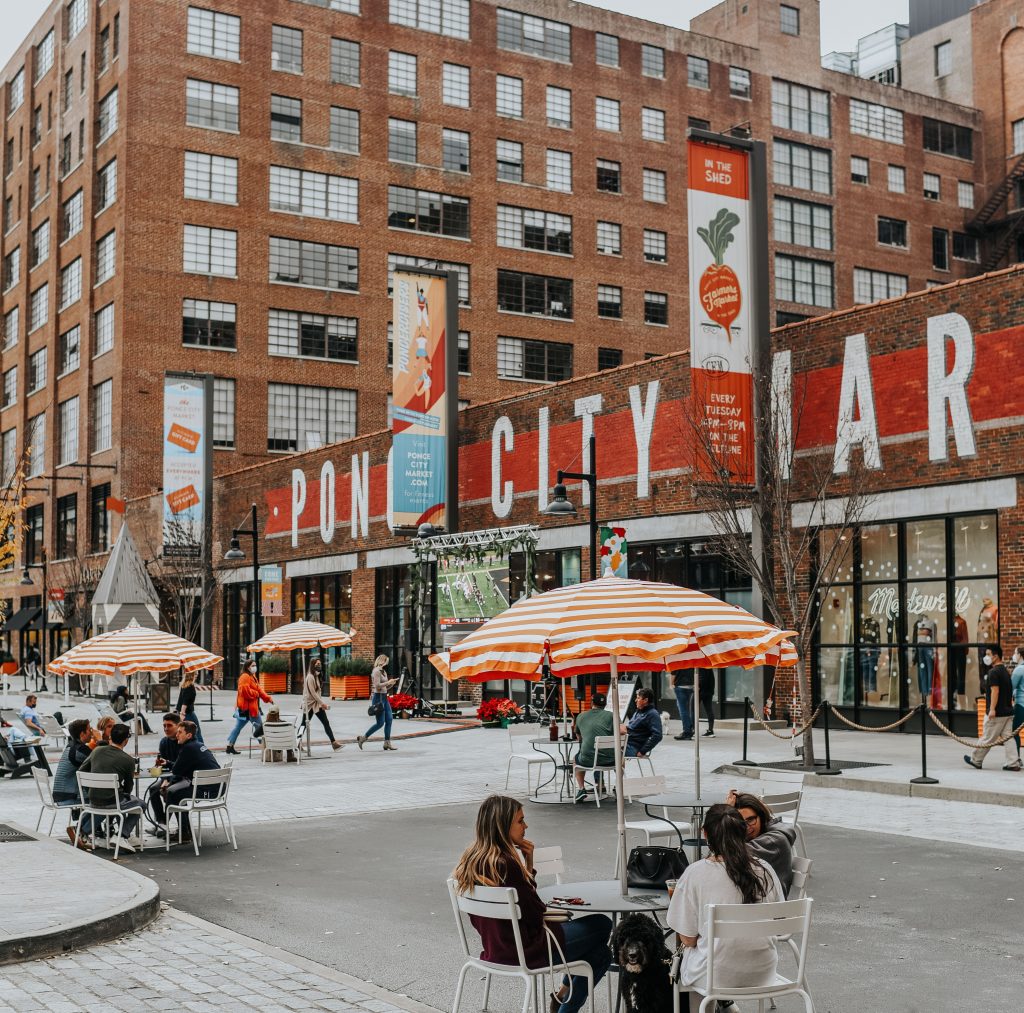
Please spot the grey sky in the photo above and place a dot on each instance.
(842, 22)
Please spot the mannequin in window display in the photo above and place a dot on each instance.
(925, 634)
(988, 632)
(958, 662)
(870, 638)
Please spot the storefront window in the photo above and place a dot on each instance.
(556, 568)
(926, 549)
(326, 598)
(237, 615)
(974, 546)
(879, 552)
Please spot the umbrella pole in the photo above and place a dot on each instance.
(305, 716)
(696, 731)
(620, 804)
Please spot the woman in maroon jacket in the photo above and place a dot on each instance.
(501, 855)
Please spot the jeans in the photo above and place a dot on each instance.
(586, 939)
(322, 715)
(869, 669)
(383, 719)
(191, 716)
(684, 701)
(241, 720)
(925, 663)
(128, 824)
(707, 705)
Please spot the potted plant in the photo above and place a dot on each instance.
(499, 712)
(274, 672)
(402, 703)
(7, 663)
(350, 678)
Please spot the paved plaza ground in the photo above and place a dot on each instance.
(342, 862)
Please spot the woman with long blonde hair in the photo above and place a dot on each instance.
(501, 855)
(380, 706)
(186, 705)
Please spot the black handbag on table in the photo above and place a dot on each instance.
(649, 867)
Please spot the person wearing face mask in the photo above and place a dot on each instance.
(999, 713)
(1017, 685)
(247, 705)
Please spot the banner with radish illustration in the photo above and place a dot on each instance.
(721, 310)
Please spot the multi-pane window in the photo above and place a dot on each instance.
(206, 324)
(546, 361)
(303, 418)
(965, 194)
(897, 179)
(656, 308)
(102, 415)
(345, 60)
(872, 120)
(426, 211)
(67, 526)
(16, 92)
(944, 58)
(940, 249)
(609, 176)
(344, 130)
(69, 349)
(210, 105)
(510, 160)
(12, 327)
(75, 18)
(654, 186)
(36, 371)
(39, 187)
(652, 61)
(402, 140)
(655, 246)
(609, 358)
(106, 255)
(99, 518)
(401, 74)
(606, 114)
(607, 49)
(796, 107)
(71, 216)
(803, 281)
(1017, 136)
(44, 55)
(294, 262)
(314, 194)
(285, 118)
(39, 247)
(463, 352)
(652, 124)
(948, 138)
(455, 85)
(932, 186)
(286, 49)
(12, 268)
(558, 170)
(104, 329)
(106, 185)
(397, 261)
(789, 20)
(739, 82)
(803, 224)
(509, 96)
(65, 155)
(211, 33)
(524, 33)
(106, 122)
(36, 132)
(559, 106)
(609, 301)
(800, 166)
(223, 413)
(36, 436)
(698, 72)
(892, 231)
(526, 229)
(211, 177)
(870, 286)
(311, 335)
(455, 150)
(860, 169)
(71, 283)
(609, 238)
(210, 251)
(38, 308)
(8, 455)
(965, 247)
(10, 387)
(442, 17)
(535, 294)
(68, 91)
(67, 431)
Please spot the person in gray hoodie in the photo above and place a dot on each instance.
(767, 836)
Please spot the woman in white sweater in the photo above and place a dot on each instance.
(314, 703)
(379, 685)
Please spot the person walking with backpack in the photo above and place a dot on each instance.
(380, 706)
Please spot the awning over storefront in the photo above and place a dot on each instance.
(21, 619)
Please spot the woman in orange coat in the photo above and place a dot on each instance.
(247, 704)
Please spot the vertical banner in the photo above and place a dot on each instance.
(187, 463)
(721, 306)
(614, 552)
(272, 590)
(424, 398)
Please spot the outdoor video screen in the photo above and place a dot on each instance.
(469, 591)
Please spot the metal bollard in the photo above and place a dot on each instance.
(924, 778)
(828, 768)
(746, 728)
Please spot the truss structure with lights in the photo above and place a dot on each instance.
(468, 543)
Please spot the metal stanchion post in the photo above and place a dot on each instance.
(746, 728)
(924, 778)
(828, 768)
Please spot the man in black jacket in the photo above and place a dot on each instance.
(169, 748)
(192, 756)
(643, 730)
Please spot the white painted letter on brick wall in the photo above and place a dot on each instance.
(390, 509)
(298, 502)
(502, 439)
(782, 410)
(543, 466)
(643, 427)
(327, 493)
(856, 423)
(949, 388)
(586, 408)
(360, 495)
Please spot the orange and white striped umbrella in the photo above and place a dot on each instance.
(442, 662)
(302, 634)
(132, 649)
(642, 624)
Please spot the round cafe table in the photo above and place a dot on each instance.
(605, 897)
(560, 752)
(679, 800)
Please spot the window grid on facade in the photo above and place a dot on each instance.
(211, 33)
(106, 185)
(802, 224)
(345, 62)
(12, 268)
(559, 107)
(545, 361)
(107, 120)
(463, 352)
(67, 526)
(71, 283)
(739, 82)
(396, 261)
(940, 249)
(71, 216)
(526, 229)
(314, 194)
(402, 142)
(524, 33)
(606, 49)
(36, 440)
(206, 324)
(344, 130)
(652, 61)
(286, 49)
(102, 416)
(609, 238)
(789, 20)
(106, 256)
(44, 55)
(223, 413)
(652, 124)
(932, 185)
(534, 294)
(872, 120)
(609, 358)
(211, 177)
(655, 246)
(69, 348)
(12, 327)
(343, 6)
(303, 418)
(947, 138)
(8, 455)
(75, 18)
(67, 431)
(897, 179)
(965, 194)
(454, 150)
(606, 114)
(442, 17)
(210, 105)
(609, 176)
(210, 251)
(10, 387)
(104, 329)
(698, 72)
(859, 169)
(38, 308)
(510, 160)
(871, 286)
(796, 107)
(312, 336)
(16, 92)
(656, 308)
(803, 281)
(402, 74)
(317, 265)
(654, 186)
(40, 244)
(99, 518)
(558, 170)
(892, 232)
(509, 96)
(36, 379)
(609, 301)
(427, 211)
(943, 58)
(965, 247)
(455, 85)
(285, 118)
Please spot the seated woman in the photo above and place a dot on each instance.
(501, 855)
(122, 708)
(767, 836)
(731, 875)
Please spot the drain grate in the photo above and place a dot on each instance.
(839, 764)
(8, 835)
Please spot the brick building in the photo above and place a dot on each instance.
(224, 187)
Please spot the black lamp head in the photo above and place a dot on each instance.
(560, 505)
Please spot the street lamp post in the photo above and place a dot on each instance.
(27, 581)
(424, 531)
(561, 506)
(235, 552)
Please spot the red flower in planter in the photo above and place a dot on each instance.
(403, 701)
(496, 709)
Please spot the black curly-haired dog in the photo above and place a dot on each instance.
(638, 947)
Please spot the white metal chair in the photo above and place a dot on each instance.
(749, 922)
(639, 787)
(548, 862)
(44, 785)
(602, 744)
(534, 759)
(110, 813)
(212, 783)
(53, 729)
(502, 904)
(279, 736)
(782, 791)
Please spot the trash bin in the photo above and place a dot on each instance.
(158, 697)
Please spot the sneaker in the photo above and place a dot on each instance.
(971, 763)
(582, 795)
(709, 734)
(679, 736)
(360, 739)
(1012, 766)
(123, 843)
